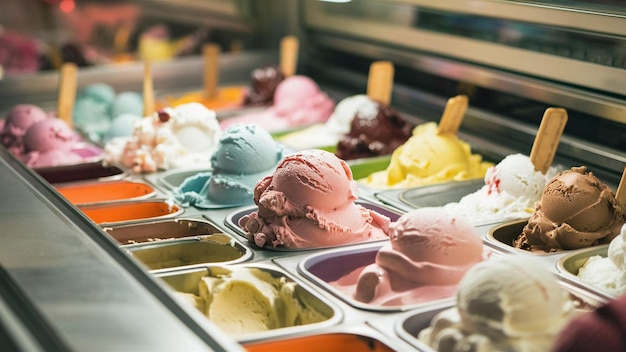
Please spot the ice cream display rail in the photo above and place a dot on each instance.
(102, 256)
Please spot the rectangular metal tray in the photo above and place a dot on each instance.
(568, 265)
(186, 281)
(93, 192)
(132, 211)
(157, 230)
(429, 196)
(191, 252)
(81, 172)
(174, 178)
(502, 236)
(232, 222)
(336, 340)
(328, 266)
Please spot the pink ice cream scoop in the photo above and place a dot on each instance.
(298, 102)
(309, 202)
(16, 123)
(49, 142)
(428, 253)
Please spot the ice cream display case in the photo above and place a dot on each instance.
(128, 253)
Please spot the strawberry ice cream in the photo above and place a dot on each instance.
(428, 253)
(298, 102)
(309, 202)
(16, 123)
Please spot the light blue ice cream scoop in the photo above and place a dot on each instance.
(246, 153)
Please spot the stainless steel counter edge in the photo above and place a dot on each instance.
(89, 293)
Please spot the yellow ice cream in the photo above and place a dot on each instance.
(242, 301)
(428, 158)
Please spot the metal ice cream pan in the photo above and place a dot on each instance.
(429, 196)
(92, 192)
(80, 172)
(158, 230)
(568, 266)
(187, 281)
(232, 222)
(502, 237)
(119, 213)
(408, 326)
(329, 266)
(357, 339)
(186, 253)
(174, 178)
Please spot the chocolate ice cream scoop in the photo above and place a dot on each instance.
(576, 210)
(264, 83)
(375, 130)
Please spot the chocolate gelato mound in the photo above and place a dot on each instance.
(264, 83)
(374, 132)
(576, 210)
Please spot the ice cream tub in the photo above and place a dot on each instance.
(132, 211)
(337, 271)
(328, 341)
(429, 196)
(232, 221)
(569, 265)
(80, 172)
(407, 327)
(253, 303)
(502, 236)
(440, 194)
(159, 230)
(174, 178)
(190, 252)
(84, 193)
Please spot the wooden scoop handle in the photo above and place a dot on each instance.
(148, 90)
(547, 138)
(289, 55)
(453, 115)
(210, 55)
(380, 81)
(620, 194)
(68, 78)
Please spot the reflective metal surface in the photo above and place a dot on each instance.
(519, 50)
(80, 282)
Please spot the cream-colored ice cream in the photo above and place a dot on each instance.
(511, 189)
(507, 303)
(429, 158)
(608, 273)
(184, 136)
(243, 301)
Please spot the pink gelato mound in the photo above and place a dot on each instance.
(308, 203)
(49, 142)
(40, 140)
(16, 123)
(298, 102)
(428, 253)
